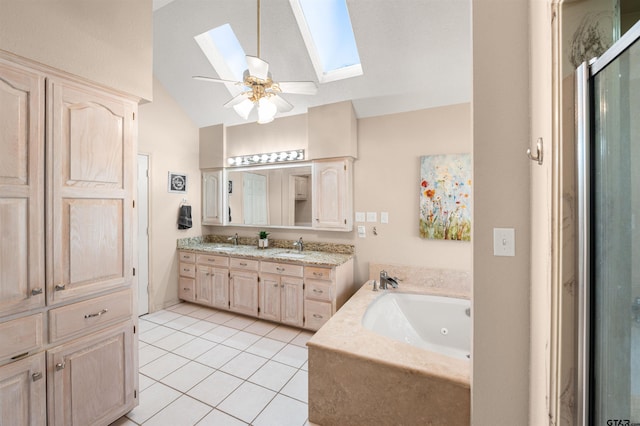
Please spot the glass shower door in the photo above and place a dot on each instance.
(612, 307)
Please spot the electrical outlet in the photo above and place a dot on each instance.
(504, 242)
(384, 217)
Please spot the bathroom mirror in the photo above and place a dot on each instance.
(273, 196)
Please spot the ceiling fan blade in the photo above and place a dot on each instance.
(280, 103)
(214, 80)
(237, 99)
(257, 67)
(244, 108)
(298, 87)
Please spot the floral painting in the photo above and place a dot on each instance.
(445, 197)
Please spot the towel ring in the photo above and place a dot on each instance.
(539, 155)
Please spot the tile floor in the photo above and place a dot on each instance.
(202, 366)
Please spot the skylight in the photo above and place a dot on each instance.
(223, 50)
(327, 32)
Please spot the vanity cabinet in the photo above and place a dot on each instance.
(187, 279)
(243, 286)
(333, 195)
(204, 279)
(67, 152)
(281, 293)
(294, 293)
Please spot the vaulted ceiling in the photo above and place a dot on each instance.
(415, 54)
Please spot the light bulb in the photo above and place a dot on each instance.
(266, 111)
(230, 161)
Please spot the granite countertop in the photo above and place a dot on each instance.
(309, 257)
(344, 333)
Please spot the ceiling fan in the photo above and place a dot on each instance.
(260, 91)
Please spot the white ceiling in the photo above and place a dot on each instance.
(415, 54)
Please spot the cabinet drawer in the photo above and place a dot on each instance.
(318, 289)
(318, 273)
(281, 268)
(213, 260)
(81, 317)
(20, 336)
(187, 270)
(239, 263)
(187, 257)
(316, 313)
(187, 289)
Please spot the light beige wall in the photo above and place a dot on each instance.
(171, 140)
(386, 178)
(108, 42)
(500, 377)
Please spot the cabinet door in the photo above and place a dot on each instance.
(220, 291)
(212, 197)
(332, 197)
(90, 191)
(22, 392)
(204, 285)
(90, 381)
(243, 288)
(22, 267)
(292, 298)
(270, 297)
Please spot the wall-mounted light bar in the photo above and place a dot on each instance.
(268, 158)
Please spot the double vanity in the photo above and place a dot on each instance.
(298, 288)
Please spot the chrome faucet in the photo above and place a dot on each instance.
(386, 280)
(234, 239)
(299, 244)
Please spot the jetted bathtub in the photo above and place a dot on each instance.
(435, 323)
(393, 357)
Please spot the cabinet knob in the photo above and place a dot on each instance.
(36, 291)
(243, 264)
(60, 366)
(275, 285)
(318, 316)
(315, 290)
(36, 376)
(60, 287)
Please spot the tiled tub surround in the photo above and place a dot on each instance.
(359, 377)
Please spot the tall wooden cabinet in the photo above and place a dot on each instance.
(67, 305)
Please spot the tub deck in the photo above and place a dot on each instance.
(357, 376)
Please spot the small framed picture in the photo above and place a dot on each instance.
(177, 182)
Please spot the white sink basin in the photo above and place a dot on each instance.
(224, 248)
(291, 255)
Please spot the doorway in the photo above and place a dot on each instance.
(609, 234)
(143, 234)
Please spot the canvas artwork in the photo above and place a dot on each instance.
(445, 197)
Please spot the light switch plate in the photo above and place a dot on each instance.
(384, 217)
(362, 233)
(504, 242)
(359, 216)
(372, 217)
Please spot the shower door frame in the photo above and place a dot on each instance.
(584, 128)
